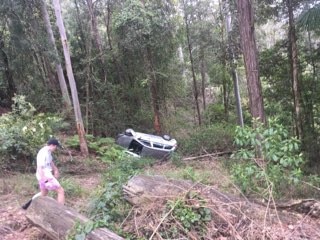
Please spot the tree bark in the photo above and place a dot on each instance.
(293, 59)
(195, 88)
(96, 38)
(59, 71)
(72, 82)
(232, 61)
(154, 91)
(249, 49)
(57, 220)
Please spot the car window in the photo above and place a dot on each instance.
(147, 143)
(168, 147)
(157, 145)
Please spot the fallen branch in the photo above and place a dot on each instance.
(207, 155)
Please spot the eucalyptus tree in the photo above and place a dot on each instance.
(250, 54)
(52, 44)
(73, 86)
(231, 53)
(293, 58)
(194, 80)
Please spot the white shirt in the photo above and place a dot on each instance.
(44, 159)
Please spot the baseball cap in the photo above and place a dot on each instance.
(53, 141)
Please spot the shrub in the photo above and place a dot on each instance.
(215, 138)
(278, 165)
(22, 132)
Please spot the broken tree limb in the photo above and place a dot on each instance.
(57, 220)
(206, 156)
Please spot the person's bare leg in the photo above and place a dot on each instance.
(60, 197)
(37, 195)
(44, 192)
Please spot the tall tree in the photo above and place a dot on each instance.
(249, 49)
(293, 59)
(96, 37)
(194, 79)
(59, 70)
(228, 20)
(73, 86)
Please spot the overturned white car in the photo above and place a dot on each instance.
(147, 145)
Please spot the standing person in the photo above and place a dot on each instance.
(47, 172)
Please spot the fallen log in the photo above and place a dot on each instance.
(57, 221)
(232, 217)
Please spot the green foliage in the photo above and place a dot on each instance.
(80, 231)
(105, 148)
(71, 188)
(22, 132)
(279, 163)
(190, 212)
(215, 113)
(109, 207)
(209, 139)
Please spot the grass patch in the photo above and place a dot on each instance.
(208, 172)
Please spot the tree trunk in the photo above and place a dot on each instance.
(195, 88)
(11, 87)
(233, 67)
(293, 59)
(73, 87)
(249, 49)
(96, 38)
(57, 220)
(63, 86)
(107, 21)
(154, 91)
(203, 78)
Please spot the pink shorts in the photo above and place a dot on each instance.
(50, 184)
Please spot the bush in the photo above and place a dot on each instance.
(22, 132)
(278, 165)
(215, 138)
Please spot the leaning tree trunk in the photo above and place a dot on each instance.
(72, 82)
(58, 221)
(63, 86)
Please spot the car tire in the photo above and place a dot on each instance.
(166, 137)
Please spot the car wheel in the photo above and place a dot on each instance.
(166, 137)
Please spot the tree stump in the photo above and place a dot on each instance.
(57, 220)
